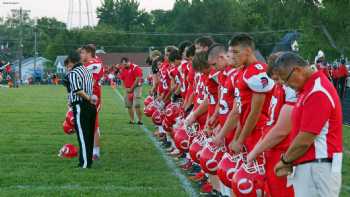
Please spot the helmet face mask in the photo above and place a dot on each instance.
(196, 146)
(256, 166)
(250, 178)
(192, 130)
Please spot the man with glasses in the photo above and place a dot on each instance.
(316, 149)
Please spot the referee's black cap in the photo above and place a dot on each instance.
(73, 57)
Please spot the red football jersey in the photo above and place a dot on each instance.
(212, 90)
(128, 75)
(174, 72)
(165, 80)
(253, 79)
(318, 111)
(199, 81)
(226, 99)
(281, 95)
(96, 68)
(184, 71)
(190, 81)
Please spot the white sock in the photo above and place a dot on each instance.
(226, 190)
(161, 130)
(96, 151)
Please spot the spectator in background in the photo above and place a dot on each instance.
(321, 64)
(131, 75)
(55, 79)
(342, 74)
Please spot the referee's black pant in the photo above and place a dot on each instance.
(84, 118)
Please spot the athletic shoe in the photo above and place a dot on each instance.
(200, 176)
(181, 161)
(166, 144)
(170, 149)
(194, 170)
(95, 157)
(187, 166)
(175, 153)
(161, 136)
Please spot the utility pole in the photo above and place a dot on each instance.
(20, 13)
(35, 43)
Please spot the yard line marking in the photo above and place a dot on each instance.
(186, 185)
(77, 187)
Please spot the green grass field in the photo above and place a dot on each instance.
(31, 136)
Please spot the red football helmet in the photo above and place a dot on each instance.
(70, 117)
(210, 157)
(68, 128)
(181, 138)
(150, 109)
(228, 166)
(68, 151)
(250, 180)
(196, 147)
(157, 117)
(172, 112)
(68, 123)
(148, 100)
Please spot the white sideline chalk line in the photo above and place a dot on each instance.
(75, 187)
(186, 185)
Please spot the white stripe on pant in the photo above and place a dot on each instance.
(81, 137)
(85, 118)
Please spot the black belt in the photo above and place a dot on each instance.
(322, 160)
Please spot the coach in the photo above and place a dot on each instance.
(131, 75)
(79, 85)
(316, 150)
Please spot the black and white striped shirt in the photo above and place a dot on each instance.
(79, 78)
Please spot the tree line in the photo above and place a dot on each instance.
(124, 27)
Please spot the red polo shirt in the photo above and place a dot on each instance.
(128, 75)
(318, 111)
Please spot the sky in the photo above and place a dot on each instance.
(59, 8)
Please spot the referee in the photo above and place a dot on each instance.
(79, 84)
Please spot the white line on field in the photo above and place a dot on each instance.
(81, 187)
(186, 185)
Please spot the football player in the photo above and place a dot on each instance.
(253, 89)
(275, 140)
(95, 66)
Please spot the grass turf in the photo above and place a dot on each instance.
(31, 136)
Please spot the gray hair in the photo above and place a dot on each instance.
(287, 60)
